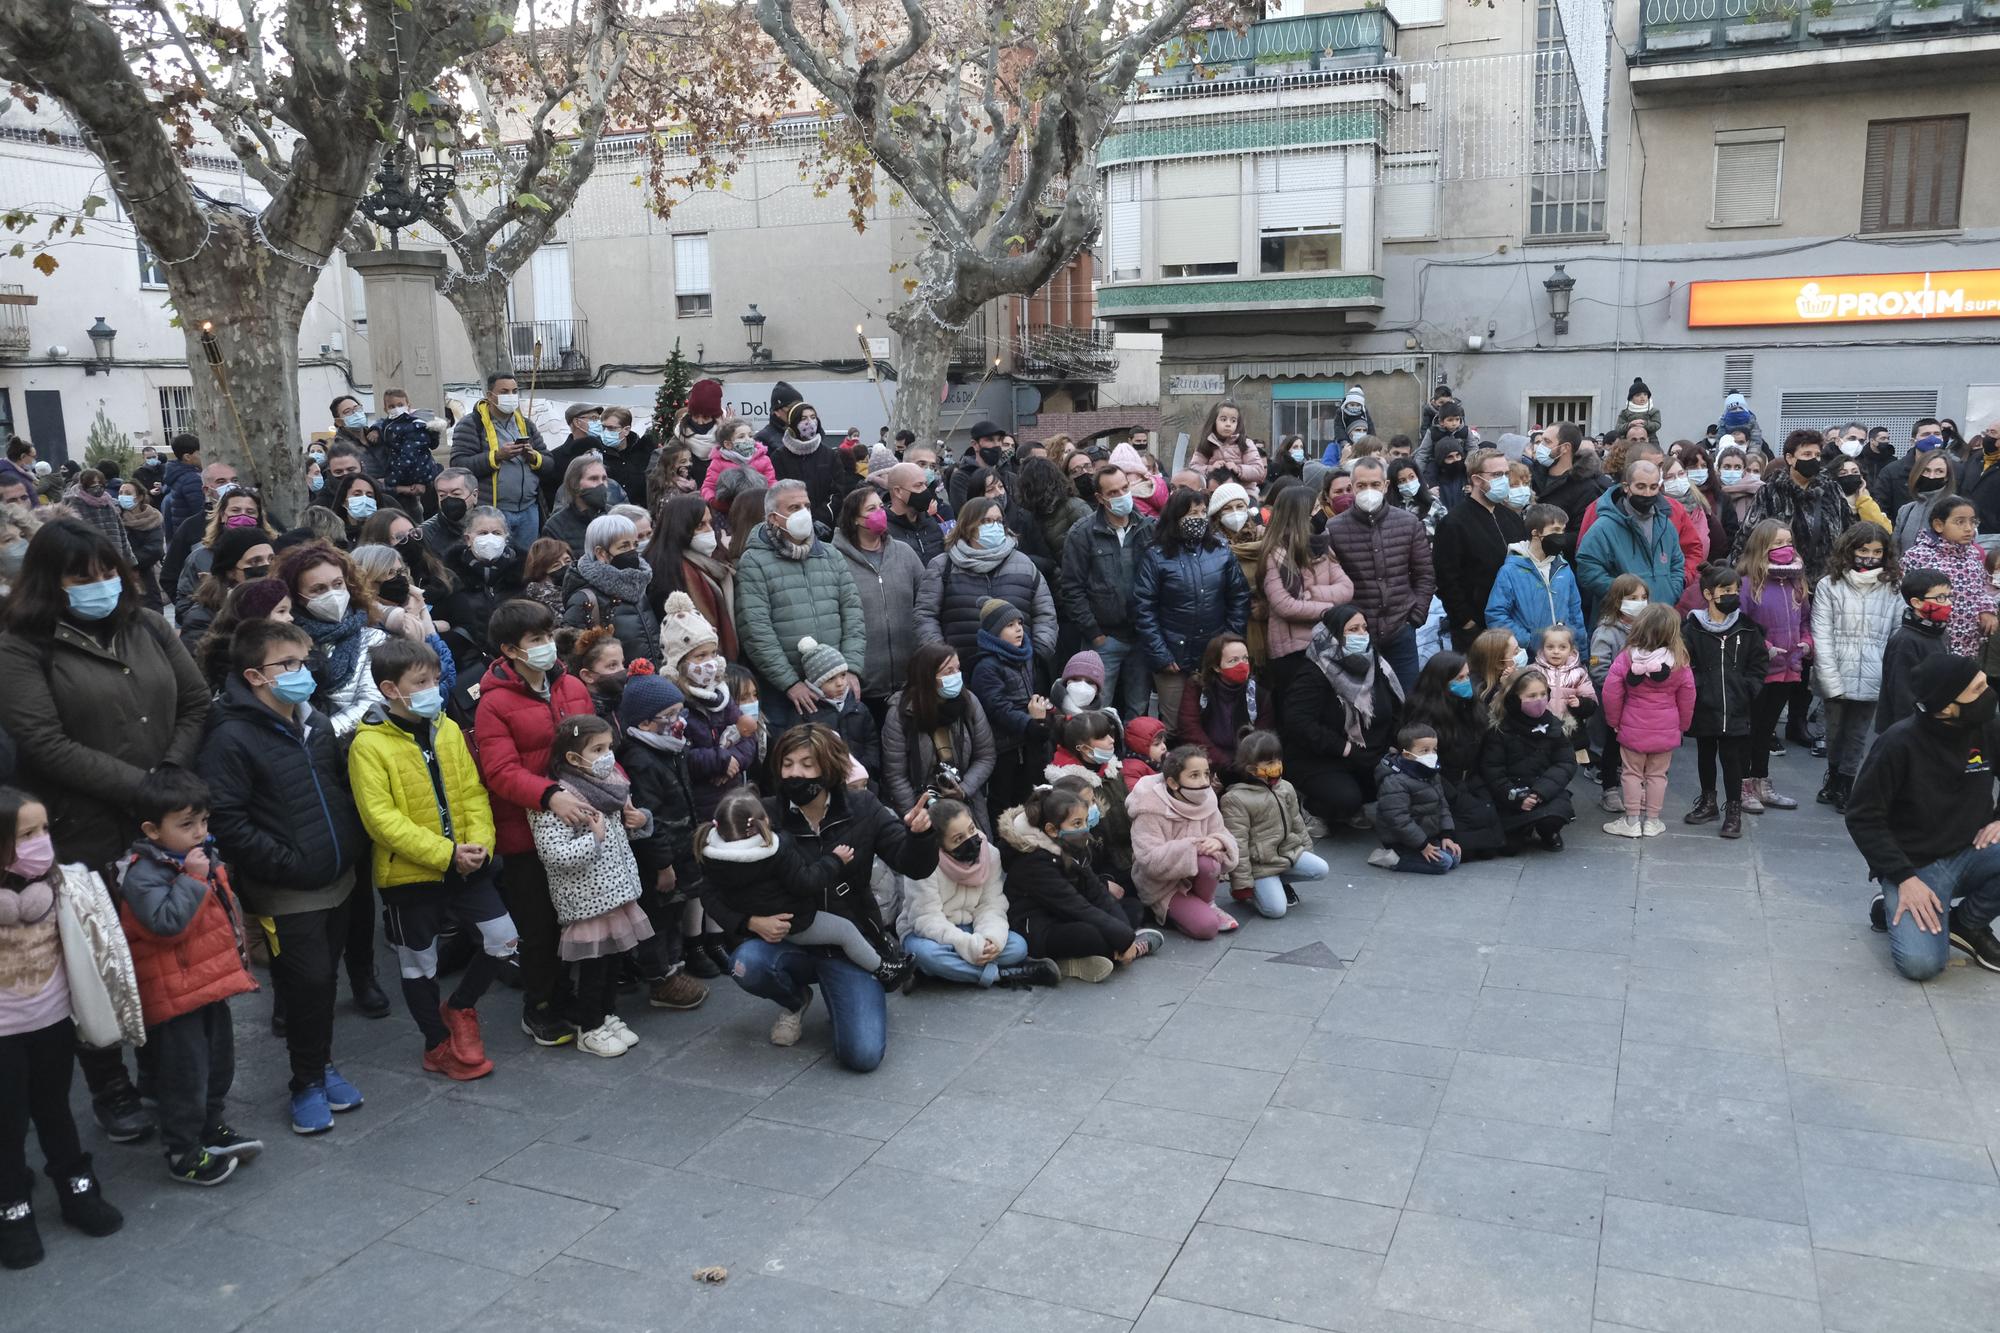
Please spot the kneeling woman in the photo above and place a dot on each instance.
(1055, 901)
(954, 924)
(1343, 709)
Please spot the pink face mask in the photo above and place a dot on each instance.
(876, 521)
(240, 521)
(1536, 706)
(34, 857)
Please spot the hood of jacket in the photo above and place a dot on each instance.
(1023, 836)
(1073, 770)
(746, 851)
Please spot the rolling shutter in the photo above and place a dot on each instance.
(1301, 191)
(1748, 169)
(1198, 208)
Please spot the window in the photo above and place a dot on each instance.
(1749, 166)
(692, 296)
(1416, 13)
(357, 298)
(1300, 201)
(1912, 178)
(1409, 196)
(1738, 371)
(1121, 223)
(176, 410)
(152, 273)
(1554, 411)
(1199, 212)
(1567, 188)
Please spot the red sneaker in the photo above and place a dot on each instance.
(466, 1043)
(442, 1059)
(1243, 895)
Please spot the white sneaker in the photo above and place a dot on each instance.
(625, 1034)
(1653, 828)
(603, 1041)
(785, 1032)
(1315, 827)
(1612, 802)
(1627, 827)
(1384, 858)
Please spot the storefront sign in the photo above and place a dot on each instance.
(1853, 298)
(1194, 384)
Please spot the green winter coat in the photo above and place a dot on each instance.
(1269, 828)
(780, 601)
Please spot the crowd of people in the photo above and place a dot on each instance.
(625, 712)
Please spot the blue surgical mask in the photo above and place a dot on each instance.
(1729, 476)
(748, 709)
(1520, 657)
(1497, 489)
(294, 687)
(1408, 487)
(1519, 496)
(1092, 815)
(992, 534)
(1462, 687)
(318, 456)
(1544, 455)
(128, 501)
(1076, 834)
(316, 482)
(949, 686)
(360, 508)
(1354, 645)
(94, 601)
(1698, 476)
(426, 702)
(354, 420)
(1120, 505)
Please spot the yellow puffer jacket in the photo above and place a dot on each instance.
(398, 803)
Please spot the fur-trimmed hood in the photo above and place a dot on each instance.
(1022, 836)
(1092, 776)
(749, 851)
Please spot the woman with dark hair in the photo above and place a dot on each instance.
(1047, 507)
(395, 529)
(1188, 589)
(356, 499)
(981, 561)
(325, 604)
(146, 531)
(1289, 458)
(241, 508)
(1302, 580)
(243, 555)
(674, 471)
(96, 693)
(745, 516)
(935, 737)
(686, 556)
(887, 574)
(1408, 493)
(260, 599)
(545, 571)
(818, 811)
(1703, 496)
(1442, 700)
(1222, 702)
(1341, 715)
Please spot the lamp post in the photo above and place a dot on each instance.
(753, 332)
(102, 335)
(416, 176)
(1559, 285)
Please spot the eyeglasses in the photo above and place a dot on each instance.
(283, 666)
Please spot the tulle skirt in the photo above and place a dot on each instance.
(606, 935)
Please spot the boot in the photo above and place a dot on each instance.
(1732, 820)
(898, 971)
(368, 994)
(1704, 811)
(1748, 800)
(1843, 787)
(717, 953)
(695, 958)
(1827, 788)
(20, 1241)
(1031, 972)
(81, 1200)
(1772, 798)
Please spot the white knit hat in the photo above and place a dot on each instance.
(682, 630)
(1226, 494)
(817, 661)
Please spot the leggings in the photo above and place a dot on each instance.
(1193, 910)
(35, 1069)
(1645, 782)
(1732, 753)
(842, 934)
(597, 989)
(1764, 711)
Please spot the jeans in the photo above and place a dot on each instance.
(855, 1003)
(943, 962)
(193, 1065)
(1401, 654)
(1169, 685)
(524, 527)
(1126, 680)
(1847, 722)
(1973, 875)
(1267, 893)
(1414, 863)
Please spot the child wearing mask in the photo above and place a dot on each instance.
(1773, 591)
(954, 920)
(1571, 694)
(1623, 601)
(1180, 847)
(1536, 587)
(1649, 705)
(838, 704)
(1056, 901)
(742, 683)
(1926, 616)
(1080, 688)
(1263, 815)
(1002, 682)
(1145, 746)
(1727, 654)
(654, 756)
(1412, 812)
(597, 659)
(1526, 760)
(594, 877)
(1854, 613)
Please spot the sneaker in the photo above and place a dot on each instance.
(1652, 828)
(226, 1142)
(625, 1033)
(463, 1025)
(1029, 972)
(119, 1112)
(1359, 820)
(603, 1040)
(1977, 942)
(1772, 798)
(1625, 827)
(1612, 802)
(340, 1094)
(541, 1023)
(81, 1201)
(1878, 915)
(1777, 745)
(1093, 969)
(1383, 858)
(444, 1058)
(679, 991)
(201, 1167)
(1751, 805)
(1150, 941)
(1291, 894)
(20, 1239)
(785, 1031)
(1316, 828)
(310, 1113)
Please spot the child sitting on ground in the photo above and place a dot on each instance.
(1571, 695)
(1412, 813)
(189, 954)
(954, 921)
(1180, 847)
(1264, 816)
(760, 871)
(1146, 746)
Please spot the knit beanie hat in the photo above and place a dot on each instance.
(1127, 459)
(1939, 681)
(818, 660)
(1228, 493)
(644, 699)
(1086, 665)
(1141, 732)
(880, 459)
(1355, 395)
(258, 598)
(228, 550)
(705, 399)
(682, 630)
(996, 614)
(1638, 387)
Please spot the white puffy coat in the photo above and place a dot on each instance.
(962, 916)
(1850, 627)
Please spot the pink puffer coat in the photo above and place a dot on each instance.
(1293, 618)
(1649, 716)
(1165, 829)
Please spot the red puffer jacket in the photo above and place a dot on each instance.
(202, 963)
(516, 728)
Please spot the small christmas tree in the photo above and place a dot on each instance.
(107, 443)
(673, 395)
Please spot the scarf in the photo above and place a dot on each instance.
(607, 796)
(782, 543)
(1004, 650)
(981, 559)
(700, 445)
(1202, 807)
(626, 585)
(340, 641)
(740, 457)
(1648, 660)
(143, 520)
(965, 876)
(1356, 691)
(101, 500)
(803, 448)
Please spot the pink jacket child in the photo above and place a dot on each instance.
(721, 461)
(1149, 493)
(1174, 878)
(1649, 713)
(1297, 599)
(1569, 684)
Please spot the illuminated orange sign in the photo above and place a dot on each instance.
(1852, 298)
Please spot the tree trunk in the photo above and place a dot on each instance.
(923, 355)
(482, 309)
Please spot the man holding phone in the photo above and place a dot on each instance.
(500, 446)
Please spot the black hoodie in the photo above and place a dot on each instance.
(1923, 793)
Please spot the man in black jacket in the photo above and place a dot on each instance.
(1891, 486)
(783, 399)
(911, 498)
(1563, 478)
(1471, 545)
(1922, 814)
(987, 451)
(1099, 559)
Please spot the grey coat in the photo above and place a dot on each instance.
(910, 757)
(887, 581)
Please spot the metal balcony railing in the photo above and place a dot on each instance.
(1712, 29)
(1276, 49)
(1048, 352)
(550, 346)
(13, 322)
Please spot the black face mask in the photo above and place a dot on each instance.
(801, 791)
(395, 591)
(1556, 543)
(611, 684)
(989, 454)
(595, 500)
(629, 560)
(251, 573)
(453, 509)
(1925, 485)
(1806, 467)
(1851, 484)
(1452, 467)
(1973, 716)
(1728, 602)
(967, 852)
(1641, 504)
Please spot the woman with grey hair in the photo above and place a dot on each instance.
(608, 586)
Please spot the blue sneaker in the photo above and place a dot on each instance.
(310, 1113)
(340, 1094)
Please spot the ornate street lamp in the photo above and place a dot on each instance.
(102, 335)
(398, 200)
(1559, 285)
(753, 331)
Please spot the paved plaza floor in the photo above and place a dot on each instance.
(1670, 1086)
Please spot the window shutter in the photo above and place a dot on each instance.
(1823, 409)
(1913, 174)
(1197, 210)
(1747, 175)
(1408, 198)
(1121, 223)
(690, 265)
(1301, 191)
(1738, 371)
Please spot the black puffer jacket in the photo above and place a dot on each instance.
(660, 785)
(586, 604)
(950, 596)
(281, 810)
(922, 534)
(1530, 755)
(853, 819)
(1728, 667)
(627, 467)
(1181, 601)
(1411, 807)
(1046, 889)
(1097, 576)
(481, 585)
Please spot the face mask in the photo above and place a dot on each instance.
(808, 429)
(1354, 645)
(991, 534)
(426, 703)
(1462, 688)
(1731, 475)
(1236, 673)
(318, 456)
(1728, 603)
(1452, 467)
(1806, 467)
(1193, 528)
(1852, 448)
(949, 686)
(1408, 488)
(1098, 757)
(1544, 455)
(595, 499)
(1234, 519)
(127, 501)
(1519, 497)
(1935, 612)
(989, 454)
(356, 420)
(395, 591)
(748, 708)
(316, 482)
(34, 857)
(1925, 485)
(508, 402)
(94, 601)
(1079, 695)
(876, 521)
(1368, 501)
(294, 687)
(1642, 504)
(706, 673)
(1091, 816)
(328, 606)
(1534, 707)
(627, 560)
(1868, 562)
(222, 490)
(1677, 486)
(801, 791)
(360, 507)
(1698, 476)
(489, 546)
(1298, 455)
(799, 525)
(601, 766)
(1427, 760)
(453, 508)
(1497, 488)
(930, 476)
(1631, 607)
(1851, 485)
(540, 657)
(1784, 555)
(703, 542)
(1978, 713)
(1121, 505)
(251, 573)
(1555, 543)
(967, 852)
(1520, 658)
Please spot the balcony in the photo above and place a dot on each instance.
(1308, 48)
(1050, 353)
(1700, 45)
(551, 349)
(14, 319)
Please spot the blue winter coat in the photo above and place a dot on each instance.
(1614, 546)
(182, 498)
(1523, 602)
(1180, 602)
